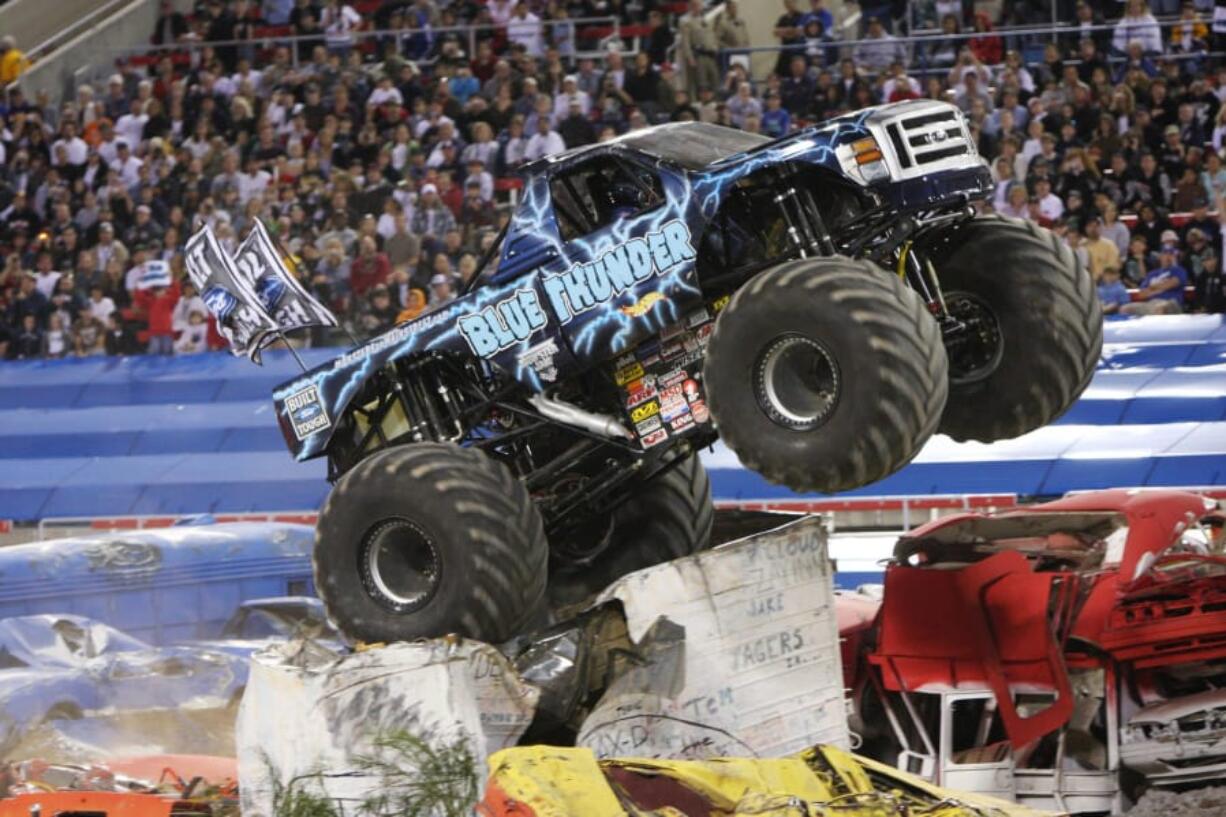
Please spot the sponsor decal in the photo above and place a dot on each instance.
(671, 349)
(624, 361)
(506, 323)
(690, 389)
(654, 438)
(703, 333)
(719, 303)
(644, 411)
(647, 426)
(672, 404)
(681, 423)
(699, 409)
(629, 373)
(672, 378)
(643, 305)
(306, 412)
(542, 358)
(392, 337)
(616, 271)
(640, 393)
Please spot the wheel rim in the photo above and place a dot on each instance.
(797, 382)
(400, 565)
(976, 350)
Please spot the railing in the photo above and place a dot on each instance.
(78, 25)
(98, 524)
(919, 46)
(578, 30)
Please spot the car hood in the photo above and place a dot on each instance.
(1176, 708)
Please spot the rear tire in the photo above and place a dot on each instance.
(426, 539)
(825, 374)
(1040, 326)
(669, 516)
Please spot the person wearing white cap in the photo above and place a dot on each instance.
(116, 97)
(569, 95)
(432, 218)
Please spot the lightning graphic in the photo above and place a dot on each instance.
(597, 335)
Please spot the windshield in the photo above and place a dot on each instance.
(694, 145)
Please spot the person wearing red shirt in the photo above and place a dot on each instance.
(369, 269)
(158, 304)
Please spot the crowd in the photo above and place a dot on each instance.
(380, 164)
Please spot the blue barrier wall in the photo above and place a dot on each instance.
(113, 436)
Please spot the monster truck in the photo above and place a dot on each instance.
(812, 300)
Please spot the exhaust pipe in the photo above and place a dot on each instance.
(572, 415)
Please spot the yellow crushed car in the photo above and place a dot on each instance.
(551, 781)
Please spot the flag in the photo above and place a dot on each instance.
(278, 290)
(225, 292)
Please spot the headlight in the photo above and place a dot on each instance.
(868, 160)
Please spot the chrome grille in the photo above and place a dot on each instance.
(934, 136)
(926, 136)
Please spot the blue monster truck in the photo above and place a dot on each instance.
(812, 300)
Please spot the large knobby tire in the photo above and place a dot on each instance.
(667, 517)
(426, 539)
(825, 374)
(1036, 326)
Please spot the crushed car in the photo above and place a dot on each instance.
(821, 302)
(260, 623)
(55, 668)
(552, 781)
(1088, 660)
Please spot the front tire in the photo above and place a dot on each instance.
(1035, 326)
(426, 539)
(825, 374)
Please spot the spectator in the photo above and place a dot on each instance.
(776, 121)
(157, 302)
(379, 313)
(415, 304)
(1114, 229)
(1101, 251)
(56, 341)
(731, 31)
(1137, 264)
(29, 341)
(1047, 205)
(370, 269)
(88, 333)
(545, 142)
(524, 29)
(697, 47)
(442, 289)
(1139, 26)
(1211, 288)
(1162, 289)
(193, 337)
(1111, 291)
(13, 62)
(879, 48)
(743, 104)
(338, 21)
